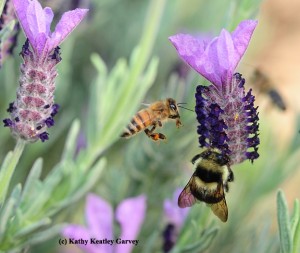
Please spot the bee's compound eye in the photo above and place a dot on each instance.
(173, 107)
(222, 159)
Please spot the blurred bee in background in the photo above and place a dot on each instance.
(265, 85)
(210, 179)
(153, 116)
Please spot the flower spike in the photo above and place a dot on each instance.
(33, 110)
(228, 119)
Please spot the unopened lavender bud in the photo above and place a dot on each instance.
(228, 119)
(31, 114)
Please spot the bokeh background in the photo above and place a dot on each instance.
(112, 29)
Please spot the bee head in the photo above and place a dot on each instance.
(173, 109)
(218, 158)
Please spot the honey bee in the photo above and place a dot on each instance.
(153, 116)
(264, 85)
(210, 179)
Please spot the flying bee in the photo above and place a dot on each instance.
(210, 179)
(264, 85)
(153, 116)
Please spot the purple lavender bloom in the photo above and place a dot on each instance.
(33, 110)
(228, 120)
(175, 218)
(130, 214)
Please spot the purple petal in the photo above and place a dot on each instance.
(130, 214)
(21, 12)
(242, 35)
(65, 26)
(99, 217)
(40, 42)
(75, 232)
(172, 212)
(217, 60)
(36, 18)
(49, 17)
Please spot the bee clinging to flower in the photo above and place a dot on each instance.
(208, 183)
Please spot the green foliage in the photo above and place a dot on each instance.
(289, 227)
(30, 211)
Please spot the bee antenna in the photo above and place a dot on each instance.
(181, 103)
(186, 108)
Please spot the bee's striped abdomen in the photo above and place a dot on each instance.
(138, 123)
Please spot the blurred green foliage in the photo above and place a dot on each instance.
(116, 59)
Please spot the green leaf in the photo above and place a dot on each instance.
(7, 212)
(205, 240)
(90, 181)
(33, 176)
(33, 227)
(71, 142)
(151, 242)
(284, 224)
(8, 167)
(295, 227)
(295, 217)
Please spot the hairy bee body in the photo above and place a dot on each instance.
(207, 184)
(152, 116)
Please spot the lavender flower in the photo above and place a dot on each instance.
(129, 214)
(33, 110)
(175, 218)
(8, 44)
(228, 120)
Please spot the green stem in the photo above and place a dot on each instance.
(8, 168)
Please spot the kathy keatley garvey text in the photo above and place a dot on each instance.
(97, 241)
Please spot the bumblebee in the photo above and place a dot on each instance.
(208, 183)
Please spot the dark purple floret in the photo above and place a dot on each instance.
(25, 49)
(44, 136)
(169, 238)
(211, 128)
(11, 107)
(7, 122)
(228, 120)
(55, 109)
(56, 55)
(49, 122)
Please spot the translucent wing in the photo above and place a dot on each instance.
(186, 198)
(220, 209)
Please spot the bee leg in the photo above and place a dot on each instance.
(231, 175)
(178, 123)
(154, 136)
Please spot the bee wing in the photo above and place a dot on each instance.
(186, 198)
(220, 209)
